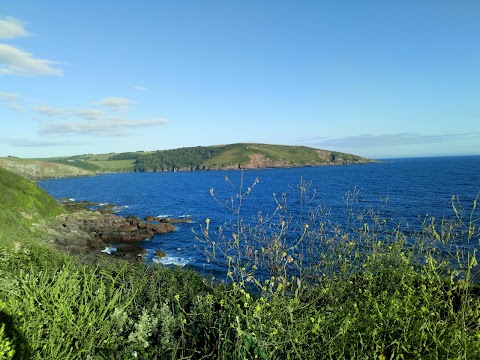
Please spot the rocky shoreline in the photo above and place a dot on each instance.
(88, 228)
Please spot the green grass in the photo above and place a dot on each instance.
(290, 155)
(79, 163)
(97, 163)
(114, 165)
(233, 154)
(40, 169)
(240, 154)
(55, 308)
(22, 203)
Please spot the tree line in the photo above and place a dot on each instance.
(171, 160)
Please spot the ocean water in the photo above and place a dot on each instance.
(404, 190)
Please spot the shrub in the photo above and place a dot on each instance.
(6, 347)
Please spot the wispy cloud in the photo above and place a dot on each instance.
(11, 28)
(48, 111)
(24, 142)
(115, 103)
(9, 96)
(106, 126)
(11, 100)
(139, 88)
(90, 114)
(58, 121)
(14, 61)
(384, 140)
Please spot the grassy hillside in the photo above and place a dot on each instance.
(38, 169)
(233, 156)
(263, 155)
(22, 203)
(97, 163)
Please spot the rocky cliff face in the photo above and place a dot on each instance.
(109, 228)
(260, 161)
(86, 231)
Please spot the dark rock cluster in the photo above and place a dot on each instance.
(111, 228)
(83, 229)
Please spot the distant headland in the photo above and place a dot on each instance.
(199, 158)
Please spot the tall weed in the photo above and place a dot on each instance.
(305, 286)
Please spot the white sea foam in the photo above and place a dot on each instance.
(163, 216)
(171, 260)
(118, 208)
(109, 250)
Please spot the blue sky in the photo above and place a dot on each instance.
(374, 78)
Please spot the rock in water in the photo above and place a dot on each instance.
(161, 228)
(131, 248)
(160, 254)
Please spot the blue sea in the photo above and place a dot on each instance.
(404, 190)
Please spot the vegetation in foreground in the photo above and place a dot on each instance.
(367, 291)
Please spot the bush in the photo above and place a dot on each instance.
(6, 347)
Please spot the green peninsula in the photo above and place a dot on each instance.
(218, 157)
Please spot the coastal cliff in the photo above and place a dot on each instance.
(200, 158)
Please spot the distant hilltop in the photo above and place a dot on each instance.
(39, 169)
(219, 157)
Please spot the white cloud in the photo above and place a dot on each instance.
(48, 111)
(106, 126)
(14, 61)
(139, 88)
(9, 96)
(11, 100)
(115, 103)
(90, 114)
(24, 142)
(385, 140)
(11, 28)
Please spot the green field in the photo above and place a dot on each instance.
(114, 165)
